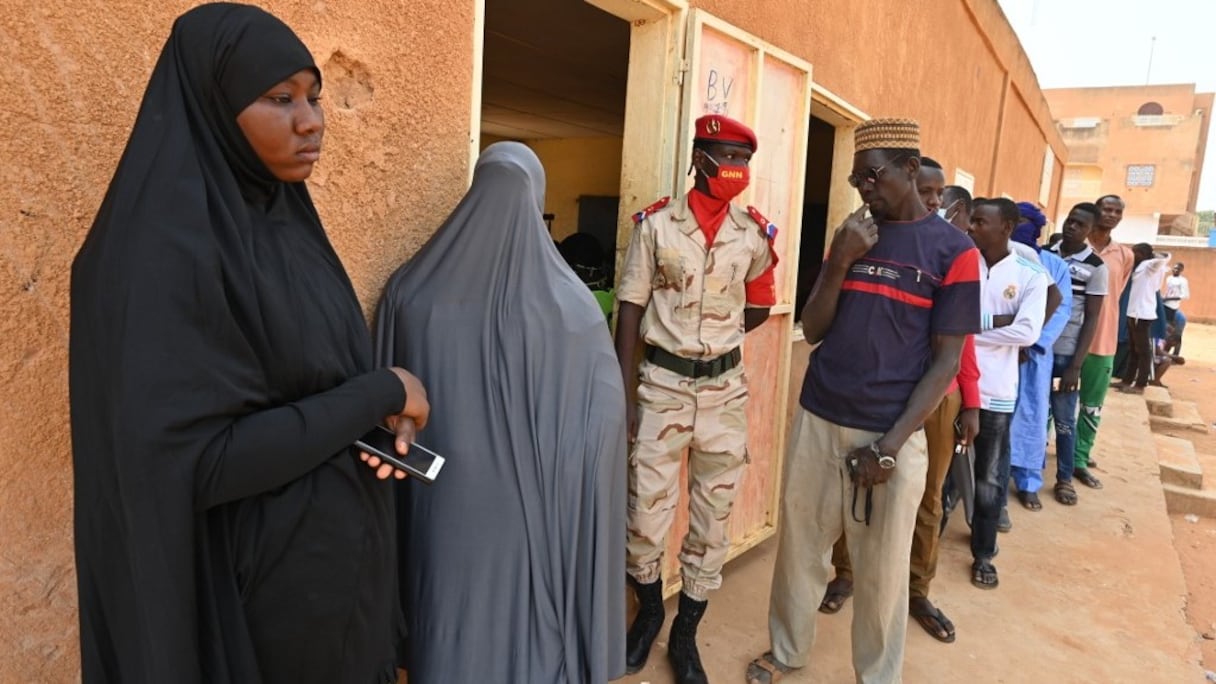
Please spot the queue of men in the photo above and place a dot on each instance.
(943, 330)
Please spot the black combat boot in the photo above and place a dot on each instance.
(646, 625)
(682, 650)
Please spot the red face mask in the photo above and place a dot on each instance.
(730, 181)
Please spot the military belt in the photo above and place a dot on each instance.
(693, 368)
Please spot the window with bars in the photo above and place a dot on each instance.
(1141, 175)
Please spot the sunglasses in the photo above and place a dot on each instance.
(874, 173)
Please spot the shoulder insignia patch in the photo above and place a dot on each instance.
(641, 215)
(768, 228)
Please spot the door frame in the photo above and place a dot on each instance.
(844, 117)
(842, 197)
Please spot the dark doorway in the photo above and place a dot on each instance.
(821, 141)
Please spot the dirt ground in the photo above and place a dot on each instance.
(1196, 542)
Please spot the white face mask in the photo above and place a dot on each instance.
(948, 213)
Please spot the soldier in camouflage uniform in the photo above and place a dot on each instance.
(698, 274)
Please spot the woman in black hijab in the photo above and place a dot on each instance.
(220, 370)
(513, 561)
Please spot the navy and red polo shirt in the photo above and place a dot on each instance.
(920, 280)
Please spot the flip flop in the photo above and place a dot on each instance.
(932, 619)
(839, 591)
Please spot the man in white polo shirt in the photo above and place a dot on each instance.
(1009, 285)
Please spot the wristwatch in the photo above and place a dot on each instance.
(885, 462)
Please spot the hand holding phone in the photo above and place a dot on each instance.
(405, 429)
(383, 470)
(420, 462)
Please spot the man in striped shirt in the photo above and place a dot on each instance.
(959, 407)
(1090, 287)
(896, 298)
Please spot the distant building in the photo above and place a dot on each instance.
(1143, 143)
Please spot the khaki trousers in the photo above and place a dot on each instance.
(939, 438)
(707, 416)
(815, 510)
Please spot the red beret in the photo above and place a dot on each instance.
(720, 129)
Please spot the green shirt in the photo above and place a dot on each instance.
(605, 298)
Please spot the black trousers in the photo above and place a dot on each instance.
(1120, 365)
(1140, 352)
(992, 465)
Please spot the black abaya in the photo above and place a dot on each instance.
(220, 368)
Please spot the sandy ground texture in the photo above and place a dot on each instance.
(1196, 541)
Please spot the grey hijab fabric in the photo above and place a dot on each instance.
(513, 561)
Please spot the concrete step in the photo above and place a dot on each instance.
(1186, 417)
(1185, 500)
(1207, 464)
(1178, 463)
(1159, 401)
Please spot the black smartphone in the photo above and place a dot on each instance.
(419, 461)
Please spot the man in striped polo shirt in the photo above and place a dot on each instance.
(1090, 289)
(1010, 285)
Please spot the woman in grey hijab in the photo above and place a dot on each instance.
(512, 562)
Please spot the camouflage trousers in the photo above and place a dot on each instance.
(706, 416)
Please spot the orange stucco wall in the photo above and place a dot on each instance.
(942, 62)
(1021, 149)
(395, 162)
(1176, 150)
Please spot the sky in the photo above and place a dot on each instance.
(1073, 43)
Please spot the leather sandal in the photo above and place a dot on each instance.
(766, 670)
